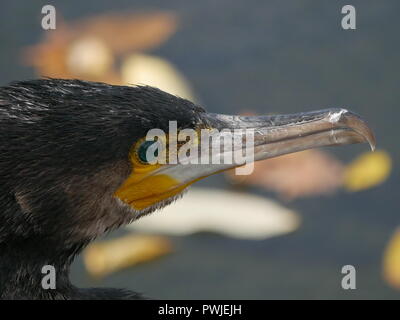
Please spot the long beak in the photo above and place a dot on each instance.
(281, 134)
(277, 135)
(270, 136)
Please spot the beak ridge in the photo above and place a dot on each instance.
(337, 126)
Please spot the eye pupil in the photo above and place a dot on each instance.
(142, 152)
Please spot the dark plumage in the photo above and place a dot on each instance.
(70, 171)
(63, 153)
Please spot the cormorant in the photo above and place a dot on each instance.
(72, 168)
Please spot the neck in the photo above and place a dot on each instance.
(23, 274)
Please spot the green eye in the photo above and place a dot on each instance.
(144, 148)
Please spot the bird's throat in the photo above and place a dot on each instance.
(28, 267)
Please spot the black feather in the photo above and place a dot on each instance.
(63, 152)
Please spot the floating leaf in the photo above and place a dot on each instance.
(391, 261)
(102, 258)
(368, 170)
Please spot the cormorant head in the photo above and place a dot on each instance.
(78, 158)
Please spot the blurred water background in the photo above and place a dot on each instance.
(266, 56)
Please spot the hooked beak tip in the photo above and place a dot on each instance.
(355, 123)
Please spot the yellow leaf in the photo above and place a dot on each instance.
(368, 170)
(391, 261)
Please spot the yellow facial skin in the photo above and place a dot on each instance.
(143, 188)
(149, 191)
